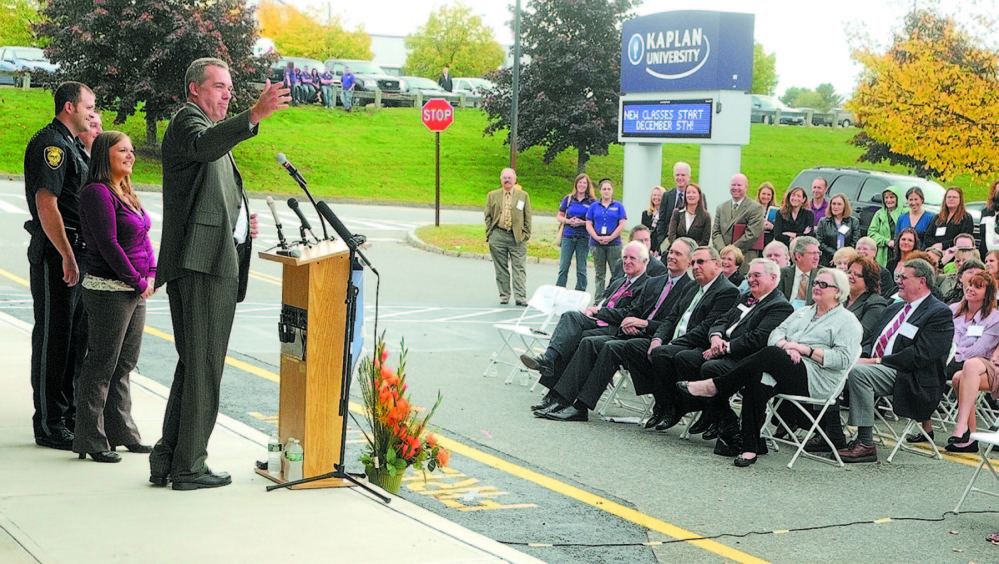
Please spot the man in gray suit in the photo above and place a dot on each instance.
(205, 260)
(738, 222)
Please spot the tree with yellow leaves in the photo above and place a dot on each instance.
(297, 34)
(931, 101)
(452, 37)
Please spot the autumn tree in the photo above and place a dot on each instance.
(569, 91)
(764, 71)
(932, 98)
(134, 53)
(452, 37)
(16, 18)
(300, 34)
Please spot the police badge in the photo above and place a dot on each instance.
(54, 156)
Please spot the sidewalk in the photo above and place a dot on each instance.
(56, 508)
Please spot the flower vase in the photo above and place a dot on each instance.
(381, 477)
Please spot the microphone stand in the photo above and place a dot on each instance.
(339, 469)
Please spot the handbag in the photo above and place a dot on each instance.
(558, 234)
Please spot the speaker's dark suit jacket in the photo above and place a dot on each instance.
(206, 275)
(786, 284)
(919, 361)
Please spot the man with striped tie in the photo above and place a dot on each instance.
(904, 357)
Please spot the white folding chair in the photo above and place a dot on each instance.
(792, 439)
(642, 405)
(541, 305)
(568, 300)
(992, 439)
(913, 425)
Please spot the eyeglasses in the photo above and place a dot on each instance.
(822, 285)
(901, 277)
(701, 261)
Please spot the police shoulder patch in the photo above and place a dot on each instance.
(54, 157)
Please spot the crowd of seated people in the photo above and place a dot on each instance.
(824, 302)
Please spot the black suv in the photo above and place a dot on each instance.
(864, 187)
(370, 77)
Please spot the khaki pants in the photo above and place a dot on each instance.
(507, 253)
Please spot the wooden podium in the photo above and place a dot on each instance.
(311, 329)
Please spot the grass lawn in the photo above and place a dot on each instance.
(388, 155)
(472, 239)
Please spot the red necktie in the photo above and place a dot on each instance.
(879, 349)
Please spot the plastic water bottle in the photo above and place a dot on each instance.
(274, 455)
(294, 458)
(525, 378)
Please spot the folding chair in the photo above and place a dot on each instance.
(792, 439)
(569, 300)
(992, 439)
(644, 403)
(541, 304)
(913, 425)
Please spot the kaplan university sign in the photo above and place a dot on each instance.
(688, 50)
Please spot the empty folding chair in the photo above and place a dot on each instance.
(992, 439)
(540, 306)
(642, 404)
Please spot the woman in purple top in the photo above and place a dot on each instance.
(575, 238)
(123, 267)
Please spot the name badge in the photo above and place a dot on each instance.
(976, 330)
(743, 308)
(603, 230)
(907, 330)
(844, 229)
(520, 205)
(941, 231)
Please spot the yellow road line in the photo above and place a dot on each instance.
(15, 278)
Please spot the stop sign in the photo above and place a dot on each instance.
(437, 114)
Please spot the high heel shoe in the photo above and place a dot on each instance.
(104, 456)
(966, 437)
(137, 448)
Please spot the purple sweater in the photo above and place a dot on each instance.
(118, 245)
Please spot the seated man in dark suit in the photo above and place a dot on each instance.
(655, 267)
(796, 280)
(904, 357)
(580, 382)
(600, 319)
(739, 333)
(687, 323)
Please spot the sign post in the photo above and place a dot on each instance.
(437, 115)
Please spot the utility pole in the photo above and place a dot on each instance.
(515, 102)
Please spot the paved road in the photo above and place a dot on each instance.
(529, 481)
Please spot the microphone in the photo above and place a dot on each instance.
(293, 204)
(283, 161)
(293, 253)
(277, 223)
(353, 242)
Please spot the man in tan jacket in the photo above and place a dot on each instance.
(508, 228)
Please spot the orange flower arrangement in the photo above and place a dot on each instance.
(398, 438)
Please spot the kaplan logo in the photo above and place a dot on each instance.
(670, 55)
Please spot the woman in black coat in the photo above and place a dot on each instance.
(794, 218)
(952, 220)
(838, 229)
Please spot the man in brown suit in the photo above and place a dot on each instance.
(508, 228)
(204, 260)
(738, 222)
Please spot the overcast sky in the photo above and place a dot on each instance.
(809, 38)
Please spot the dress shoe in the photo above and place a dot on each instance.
(61, 440)
(521, 304)
(658, 412)
(970, 447)
(962, 439)
(918, 438)
(670, 419)
(103, 456)
(559, 405)
(137, 448)
(702, 424)
(208, 479)
(571, 413)
(550, 399)
(728, 446)
(857, 451)
(743, 462)
(503, 301)
(818, 444)
(532, 362)
(159, 480)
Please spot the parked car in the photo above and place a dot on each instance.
(764, 109)
(14, 61)
(371, 77)
(864, 187)
(428, 88)
(842, 115)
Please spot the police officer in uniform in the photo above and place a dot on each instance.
(54, 170)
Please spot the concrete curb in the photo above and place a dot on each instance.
(414, 241)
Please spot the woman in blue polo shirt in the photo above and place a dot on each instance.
(605, 221)
(575, 238)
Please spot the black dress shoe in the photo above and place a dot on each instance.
(658, 412)
(702, 424)
(712, 433)
(208, 479)
(558, 405)
(550, 399)
(972, 447)
(136, 448)
(727, 427)
(62, 440)
(728, 446)
(103, 456)
(570, 413)
(521, 304)
(159, 480)
(962, 439)
(918, 437)
(670, 419)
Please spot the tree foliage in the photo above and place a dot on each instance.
(823, 98)
(933, 97)
(134, 53)
(298, 34)
(16, 19)
(764, 71)
(569, 91)
(453, 37)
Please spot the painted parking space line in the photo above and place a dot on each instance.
(11, 208)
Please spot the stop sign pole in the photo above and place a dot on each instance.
(437, 115)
